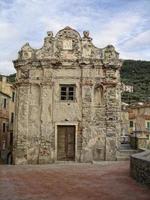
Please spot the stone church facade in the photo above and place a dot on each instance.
(68, 101)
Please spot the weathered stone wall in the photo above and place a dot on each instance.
(140, 167)
(67, 59)
(139, 140)
(21, 128)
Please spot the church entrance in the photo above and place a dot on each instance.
(66, 143)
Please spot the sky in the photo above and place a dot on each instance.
(122, 23)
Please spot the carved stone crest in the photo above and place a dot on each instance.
(67, 44)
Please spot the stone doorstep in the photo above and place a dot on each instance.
(123, 158)
(128, 151)
(124, 154)
(104, 162)
(67, 162)
(87, 163)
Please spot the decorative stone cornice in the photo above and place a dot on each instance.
(68, 46)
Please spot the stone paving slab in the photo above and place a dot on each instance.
(98, 181)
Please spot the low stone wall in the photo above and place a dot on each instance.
(140, 167)
(139, 140)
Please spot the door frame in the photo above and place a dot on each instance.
(56, 136)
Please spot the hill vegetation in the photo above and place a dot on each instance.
(10, 78)
(137, 74)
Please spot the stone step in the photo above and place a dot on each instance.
(123, 158)
(127, 152)
(124, 154)
(65, 162)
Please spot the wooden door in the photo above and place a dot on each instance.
(66, 143)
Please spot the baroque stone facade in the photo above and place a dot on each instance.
(68, 100)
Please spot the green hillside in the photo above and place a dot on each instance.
(136, 73)
(11, 78)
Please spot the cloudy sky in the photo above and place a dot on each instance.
(123, 23)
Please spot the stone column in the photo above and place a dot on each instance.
(47, 134)
(21, 124)
(113, 111)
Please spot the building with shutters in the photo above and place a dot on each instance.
(139, 123)
(68, 100)
(139, 116)
(7, 108)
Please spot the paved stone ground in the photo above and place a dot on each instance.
(105, 181)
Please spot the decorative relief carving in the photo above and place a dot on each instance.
(67, 44)
(47, 50)
(24, 74)
(86, 51)
(26, 52)
(87, 46)
(48, 40)
(86, 34)
(110, 53)
(50, 34)
(68, 39)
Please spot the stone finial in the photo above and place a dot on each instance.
(110, 53)
(26, 45)
(50, 34)
(110, 46)
(26, 52)
(68, 28)
(86, 34)
(48, 39)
